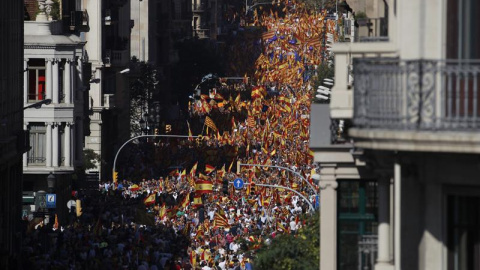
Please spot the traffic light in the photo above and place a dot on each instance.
(168, 128)
(79, 208)
(225, 187)
(115, 177)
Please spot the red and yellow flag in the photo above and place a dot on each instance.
(220, 220)
(197, 201)
(209, 168)
(185, 201)
(162, 212)
(203, 186)
(150, 199)
(209, 123)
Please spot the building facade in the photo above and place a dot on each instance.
(54, 63)
(409, 104)
(13, 139)
(108, 49)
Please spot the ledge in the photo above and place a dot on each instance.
(417, 141)
(364, 47)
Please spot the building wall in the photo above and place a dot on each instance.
(139, 38)
(11, 113)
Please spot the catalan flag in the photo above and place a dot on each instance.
(251, 121)
(209, 123)
(193, 171)
(220, 220)
(185, 201)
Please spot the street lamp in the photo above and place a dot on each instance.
(115, 173)
(51, 182)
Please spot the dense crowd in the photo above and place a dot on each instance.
(176, 207)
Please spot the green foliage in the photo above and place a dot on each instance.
(317, 4)
(90, 159)
(143, 91)
(55, 10)
(292, 252)
(360, 15)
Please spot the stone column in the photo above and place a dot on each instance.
(397, 170)
(78, 144)
(25, 81)
(48, 79)
(328, 216)
(68, 81)
(55, 142)
(25, 155)
(55, 82)
(68, 150)
(48, 146)
(383, 255)
(78, 79)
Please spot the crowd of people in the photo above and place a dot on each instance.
(190, 216)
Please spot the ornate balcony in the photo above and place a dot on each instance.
(404, 104)
(418, 94)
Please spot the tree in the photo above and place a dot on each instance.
(143, 93)
(90, 159)
(301, 251)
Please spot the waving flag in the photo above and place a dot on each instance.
(203, 186)
(209, 123)
(150, 199)
(220, 220)
(209, 168)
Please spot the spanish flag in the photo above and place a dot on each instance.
(162, 212)
(150, 199)
(134, 187)
(203, 186)
(197, 201)
(209, 168)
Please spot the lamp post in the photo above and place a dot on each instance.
(114, 172)
(283, 168)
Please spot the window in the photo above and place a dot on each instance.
(463, 33)
(36, 80)
(357, 224)
(36, 155)
(463, 225)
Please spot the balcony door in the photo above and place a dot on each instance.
(463, 231)
(463, 31)
(357, 224)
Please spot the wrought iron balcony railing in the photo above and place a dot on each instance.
(417, 94)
